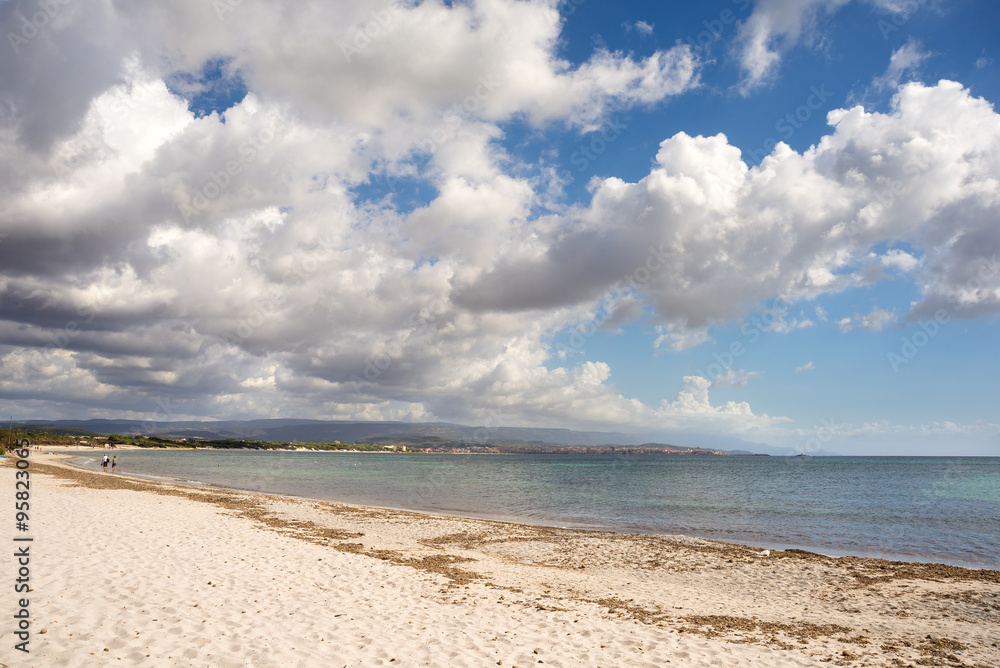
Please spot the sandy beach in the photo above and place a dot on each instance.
(133, 572)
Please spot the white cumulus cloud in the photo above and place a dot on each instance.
(231, 264)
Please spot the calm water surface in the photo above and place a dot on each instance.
(944, 509)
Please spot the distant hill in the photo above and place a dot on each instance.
(292, 430)
(731, 444)
(63, 431)
(337, 430)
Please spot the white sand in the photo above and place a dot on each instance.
(139, 578)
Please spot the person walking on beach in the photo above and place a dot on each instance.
(104, 463)
(114, 463)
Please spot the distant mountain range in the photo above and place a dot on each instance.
(303, 431)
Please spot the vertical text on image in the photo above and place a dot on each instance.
(22, 552)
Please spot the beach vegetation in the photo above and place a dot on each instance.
(17, 434)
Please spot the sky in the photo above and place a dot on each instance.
(768, 220)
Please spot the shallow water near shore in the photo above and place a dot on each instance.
(943, 509)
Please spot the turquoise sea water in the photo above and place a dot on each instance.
(944, 509)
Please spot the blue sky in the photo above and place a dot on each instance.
(511, 213)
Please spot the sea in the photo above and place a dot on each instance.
(932, 509)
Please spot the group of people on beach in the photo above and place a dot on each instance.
(113, 461)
